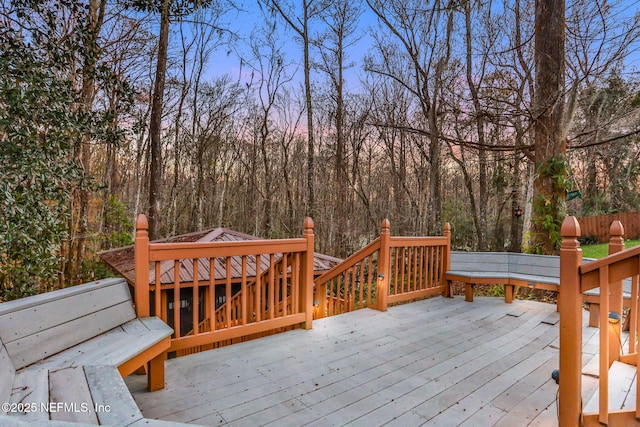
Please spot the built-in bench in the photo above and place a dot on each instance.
(515, 269)
(503, 268)
(63, 355)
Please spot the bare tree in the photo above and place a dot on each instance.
(424, 36)
(549, 126)
(341, 18)
(301, 25)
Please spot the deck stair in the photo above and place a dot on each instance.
(622, 389)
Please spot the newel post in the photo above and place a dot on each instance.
(141, 253)
(616, 244)
(570, 308)
(382, 289)
(446, 262)
(307, 273)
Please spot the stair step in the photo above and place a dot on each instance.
(622, 389)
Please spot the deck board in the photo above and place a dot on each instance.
(435, 362)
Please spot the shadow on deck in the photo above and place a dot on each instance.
(439, 362)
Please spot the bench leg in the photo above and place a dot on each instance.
(155, 378)
(448, 290)
(508, 293)
(594, 314)
(468, 292)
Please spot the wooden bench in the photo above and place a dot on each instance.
(63, 355)
(503, 268)
(515, 269)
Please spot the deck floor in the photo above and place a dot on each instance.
(441, 362)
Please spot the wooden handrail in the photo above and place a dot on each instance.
(405, 268)
(575, 278)
(349, 262)
(286, 292)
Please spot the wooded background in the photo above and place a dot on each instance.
(109, 109)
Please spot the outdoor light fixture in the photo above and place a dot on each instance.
(517, 211)
(614, 318)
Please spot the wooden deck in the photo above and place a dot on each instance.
(441, 362)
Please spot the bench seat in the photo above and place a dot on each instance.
(118, 347)
(63, 356)
(503, 268)
(516, 269)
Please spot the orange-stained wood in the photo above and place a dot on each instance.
(445, 264)
(375, 275)
(617, 418)
(383, 266)
(616, 244)
(306, 294)
(235, 332)
(141, 295)
(607, 274)
(605, 364)
(570, 308)
(171, 251)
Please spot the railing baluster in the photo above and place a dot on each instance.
(176, 298)
(403, 262)
(227, 298)
(271, 290)
(243, 290)
(361, 284)
(195, 297)
(296, 283)
(633, 316)
(258, 292)
(419, 266)
(212, 294)
(370, 281)
(284, 287)
(416, 269)
(605, 362)
(158, 288)
(352, 286)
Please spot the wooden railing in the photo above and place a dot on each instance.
(269, 298)
(607, 274)
(388, 270)
(231, 313)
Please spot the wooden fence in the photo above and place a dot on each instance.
(598, 226)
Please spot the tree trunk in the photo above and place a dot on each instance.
(155, 126)
(311, 200)
(548, 109)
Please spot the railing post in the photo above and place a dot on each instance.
(141, 253)
(616, 244)
(446, 262)
(570, 307)
(320, 300)
(307, 274)
(382, 288)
